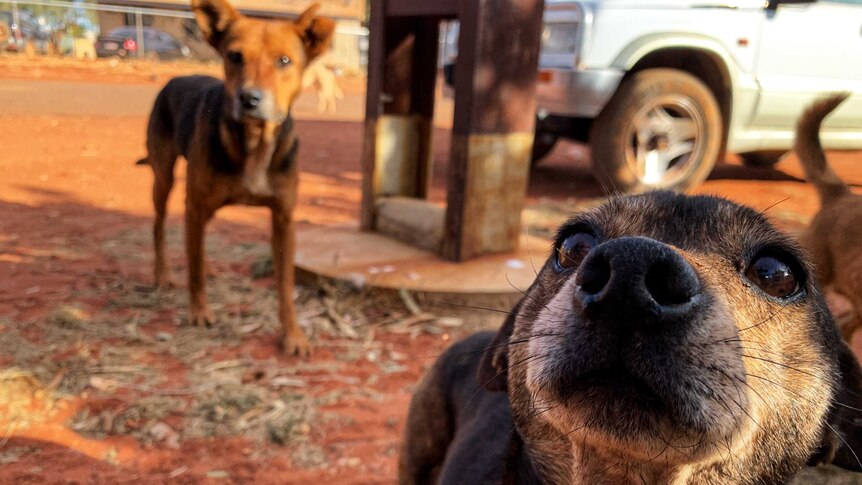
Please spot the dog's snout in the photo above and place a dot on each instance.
(636, 281)
(250, 98)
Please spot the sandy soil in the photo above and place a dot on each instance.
(101, 381)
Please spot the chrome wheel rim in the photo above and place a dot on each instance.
(665, 141)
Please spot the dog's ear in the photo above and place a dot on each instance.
(214, 17)
(316, 32)
(493, 370)
(841, 444)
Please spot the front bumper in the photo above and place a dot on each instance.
(581, 94)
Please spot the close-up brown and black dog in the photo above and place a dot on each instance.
(238, 138)
(667, 339)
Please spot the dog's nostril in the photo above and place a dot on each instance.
(594, 275)
(671, 283)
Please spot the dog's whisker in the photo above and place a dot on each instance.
(781, 386)
(767, 320)
(780, 364)
(509, 343)
(475, 307)
(575, 430)
(847, 406)
(731, 340)
(852, 451)
(745, 411)
(538, 412)
(662, 452)
(753, 390)
(504, 371)
(768, 352)
(771, 206)
(522, 292)
(487, 348)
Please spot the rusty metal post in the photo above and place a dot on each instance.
(492, 134)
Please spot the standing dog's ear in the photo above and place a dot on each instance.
(493, 370)
(214, 17)
(316, 32)
(841, 444)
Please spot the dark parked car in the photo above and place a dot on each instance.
(123, 42)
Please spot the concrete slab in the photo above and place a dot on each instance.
(345, 253)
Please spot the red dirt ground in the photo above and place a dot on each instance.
(76, 310)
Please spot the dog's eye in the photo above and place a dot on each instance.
(574, 248)
(234, 57)
(774, 276)
(283, 61)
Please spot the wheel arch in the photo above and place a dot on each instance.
(702, 57)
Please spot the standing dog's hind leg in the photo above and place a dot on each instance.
(163, 171)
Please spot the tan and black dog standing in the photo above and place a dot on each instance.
(667, 340)
(239, 141)
(834, 236)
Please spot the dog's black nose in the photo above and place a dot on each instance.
(250, 98)
(636, 281)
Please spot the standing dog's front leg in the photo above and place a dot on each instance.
(196, 221)
(293, 339)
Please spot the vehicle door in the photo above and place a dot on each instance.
(807, 49)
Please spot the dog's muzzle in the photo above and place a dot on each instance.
(255, 104)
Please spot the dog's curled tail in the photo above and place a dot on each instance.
(810, 151)
(143, 161)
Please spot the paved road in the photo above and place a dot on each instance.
(33, 97)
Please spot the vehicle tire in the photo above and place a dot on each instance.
(543, 143)
(763, 159)
(661, 130)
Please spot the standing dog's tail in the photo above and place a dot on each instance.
(810, 151)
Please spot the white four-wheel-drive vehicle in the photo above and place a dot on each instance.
(660, 89)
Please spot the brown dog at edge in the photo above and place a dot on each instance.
(834, 236)
(239, 141)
